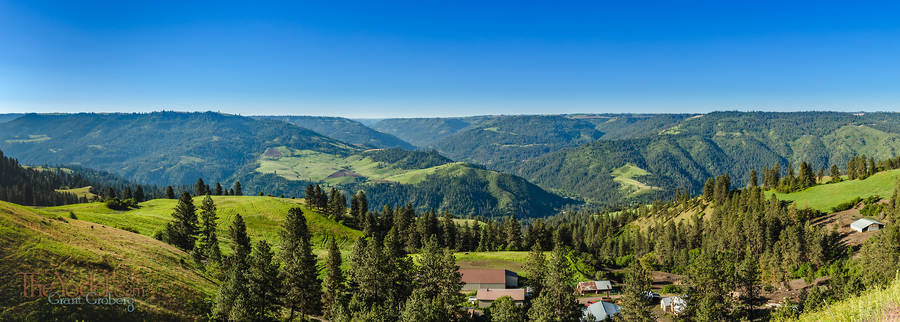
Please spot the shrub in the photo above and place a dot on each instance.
(72, 215)
(671, 289)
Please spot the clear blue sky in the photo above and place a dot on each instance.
(396, 58)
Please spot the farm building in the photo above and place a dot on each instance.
(600, 311)
(673, 304)
(488, 278)
(864, 225)
(593, 287)
(486, 296)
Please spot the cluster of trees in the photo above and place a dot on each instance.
(860, 168)
(192, 232)
(333, 204)
(202, 189)
(791, 182)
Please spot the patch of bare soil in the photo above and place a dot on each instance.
(344, 173)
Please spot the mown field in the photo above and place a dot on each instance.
(823, 197)
(263, 216)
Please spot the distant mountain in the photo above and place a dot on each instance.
(502, 142)
(9, 117)
(346, 130)
(424, 132)
(686, 154)
(267, 156)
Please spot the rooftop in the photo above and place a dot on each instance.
(491, 294)
(485, 276)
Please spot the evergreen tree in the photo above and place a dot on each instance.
(139, 194)
(637, 283)
(505, 310)
(513, 233)
(233, 302)
(438, 277)
(300, 277)
(556, 301)
(337, 204)
(334, 280)
(170, 193)
(264, 285)
(753, 178)
(183, 233)
(237, 189)
(363, 204)
(199, 187)
(708, 189)
(208, 245)
(449, 232)
(534, 269)
(218, 191)
(126, 193)
(835, 173)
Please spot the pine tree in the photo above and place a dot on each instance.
(835, 173)
(264, 285)
(438, 276)
(218, 191)
(637, 283)
(300, 276)
(139, 194)
(233, 301)
(449, 231)
(209, 243)
(126, 193)
(708, 189)
(237, 189)
(534, 269)
(199, 187)
(557, 301)
(184, 224)
(337, 205)
(363, 204)
(513, 233)
(753, 178)
(505, 310)
(334, 280)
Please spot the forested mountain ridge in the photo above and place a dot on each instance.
(158, 148)
(267, 156)
(686, 154)
(502, 142)
(343, 129)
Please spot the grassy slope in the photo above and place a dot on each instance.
(316, 166)
(80, 192)
(30, 241)
(826, 196)
(872, 305)
(263, 216)
(625, 176)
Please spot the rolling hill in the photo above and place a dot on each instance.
(503, 142)
(824, 197)
(268, 156)
(424, 132)
(171, 289)
(686, 154)
(263, 216)
(346, 130)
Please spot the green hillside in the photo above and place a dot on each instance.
(31, 242)
(263, 216)
(424, 132)
(881, 304)
(503, 142)
(686, 154)
(346, 130)
(824, 197)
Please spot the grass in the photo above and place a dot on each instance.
(83, 192)
(263, 216)
(37, 242)
(625, 176)
(509, 260)
(317, 166)
(873, 305)
(823, 197)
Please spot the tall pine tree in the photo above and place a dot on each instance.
(300, 277)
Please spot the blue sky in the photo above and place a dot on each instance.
(417, 58)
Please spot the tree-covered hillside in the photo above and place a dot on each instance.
(9, 117)
(158, 148)
(266, 156)
(346, 130)
(424, 132)
(503, 142)
(685, 155)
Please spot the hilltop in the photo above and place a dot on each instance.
(346, 130)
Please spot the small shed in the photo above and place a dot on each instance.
(673, 304)
(593, 287)
(600, 311)
(486, 296)
(865, 224)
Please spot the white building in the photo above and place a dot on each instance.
(865, 224)
(673, 304)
